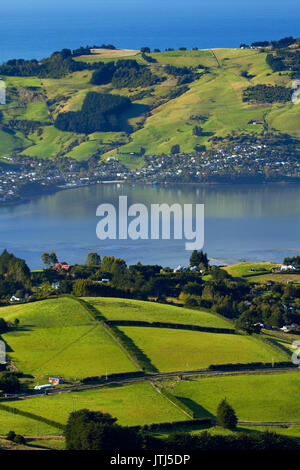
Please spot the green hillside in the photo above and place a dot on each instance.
(136, 310)
(254, 397)
(162, 114)
(172, 350)
(67, 337)
(57, 337)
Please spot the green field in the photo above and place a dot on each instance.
(123, 309)
(262, 274)
(24, 426)
(256, 398)
(136, 404)
(57, 337)
(217, 95)
(178, 350)
(244, 269)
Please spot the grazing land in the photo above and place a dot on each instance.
(23, 425)
(57, 337)
(123, 309)
(161, 115)
(177, 350)
(255, 398)
(136, 404)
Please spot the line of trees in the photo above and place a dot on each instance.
(94, 430)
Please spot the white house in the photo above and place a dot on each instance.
(179, 269)
(290, 267)
(16, 299)
(195, 269)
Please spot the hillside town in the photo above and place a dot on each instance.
(22, 177)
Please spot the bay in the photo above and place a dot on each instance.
(242, 222)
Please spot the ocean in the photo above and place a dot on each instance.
(34, 29)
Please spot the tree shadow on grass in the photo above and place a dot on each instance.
(198, 410)
(135, 110)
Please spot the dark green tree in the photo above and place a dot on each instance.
(90, 430)
(53, 258)
(93, 259)
(199, 257)
(175, 149)
(11, 436)
(46, 259)
(226, 416)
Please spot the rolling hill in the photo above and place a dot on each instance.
(76, 338)
(161, 115)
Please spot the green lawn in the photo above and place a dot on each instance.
(172, 350)
(123, 309)
(261, 397)
(24, 426)
(57, 337)
(135, 404)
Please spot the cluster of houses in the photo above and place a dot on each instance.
(290, 267)
(182, 269)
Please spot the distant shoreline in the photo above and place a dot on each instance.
(33, 197)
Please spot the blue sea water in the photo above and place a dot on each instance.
(35, 28)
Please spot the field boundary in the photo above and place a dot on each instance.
(174, 326)
(172, 399)
(32, 416)
(133, 352)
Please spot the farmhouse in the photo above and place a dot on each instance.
(290, 267)
(55, 380)
(62, 266)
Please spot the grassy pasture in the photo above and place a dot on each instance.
(50, 143)
(24, 426)
(57, 337)
(258, 398)
(136, 404)
(10, 141)
(127, 309)
(172, 350)
(244, 269)
(99, 55)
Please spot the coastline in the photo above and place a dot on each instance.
(27, 199)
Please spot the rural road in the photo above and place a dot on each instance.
(160, 375)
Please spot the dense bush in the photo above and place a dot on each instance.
(55, 66)
(130, 74)
(124, 74)
(103, 74)
(267, 94)
(9, 382)
(99, 112)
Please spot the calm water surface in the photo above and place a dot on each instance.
(35, 28)
(241, 223)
